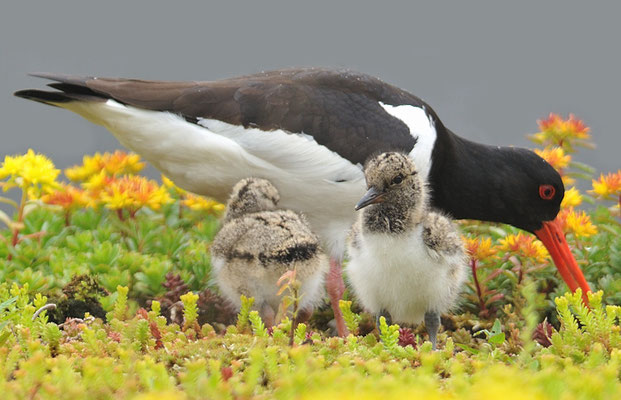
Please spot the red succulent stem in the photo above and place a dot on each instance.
(119, 213)
(294, 316)
(14, 239)
(520, 268)
(473, 266)
(181, 197)
(20, 216)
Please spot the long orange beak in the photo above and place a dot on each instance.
(553, 238)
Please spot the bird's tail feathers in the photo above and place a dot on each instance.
(55, 98)
(69, 88)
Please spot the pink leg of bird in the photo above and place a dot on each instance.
(336, 287)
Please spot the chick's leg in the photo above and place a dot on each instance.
(432, 324)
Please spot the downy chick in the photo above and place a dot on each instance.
(257, 244)
(406, 262)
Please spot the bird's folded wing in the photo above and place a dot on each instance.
(339, 109)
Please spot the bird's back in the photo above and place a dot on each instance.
(308, 130)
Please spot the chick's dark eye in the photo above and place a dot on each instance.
(397, 179)
(546, 192)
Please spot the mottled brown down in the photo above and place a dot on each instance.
(258, 244)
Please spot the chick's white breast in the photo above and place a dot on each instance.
(400, 274)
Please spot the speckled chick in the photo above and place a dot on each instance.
(406, 262)
(257, 244)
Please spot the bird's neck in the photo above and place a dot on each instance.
(391, 218)
(473, 171)
(237, 208)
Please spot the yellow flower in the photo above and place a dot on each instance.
(571, 126)
(555, 156)
(576, 222)
(200, 203)
(32, 172)
(134, 192)
(91, 165)
(7, 185)
(567, 180)
(572, 198)
(112, 164)
(608, 186)
(97, 182)
(171, 185)
(121, 163)
(68, 197)
(479, 249)
(193, 201)
(524, 245)
(565, 133)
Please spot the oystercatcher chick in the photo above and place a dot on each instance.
(406, 261)
(257, 244)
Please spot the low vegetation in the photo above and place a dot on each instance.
(107, 292)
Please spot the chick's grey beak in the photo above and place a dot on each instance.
(372, 196)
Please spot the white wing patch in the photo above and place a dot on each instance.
(422, 128)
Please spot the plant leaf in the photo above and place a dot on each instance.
(6, 219)
(467, 348)
(497, 339)
(8, 201)
(7, 303)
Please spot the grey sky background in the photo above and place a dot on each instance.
(489, 69)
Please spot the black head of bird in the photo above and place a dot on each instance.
(509, 185)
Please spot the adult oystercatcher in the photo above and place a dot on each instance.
(406, 261)
(309, 131)
(259, 243)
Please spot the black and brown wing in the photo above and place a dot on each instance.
(340, 109)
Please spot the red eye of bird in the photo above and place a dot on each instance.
(546, 192)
